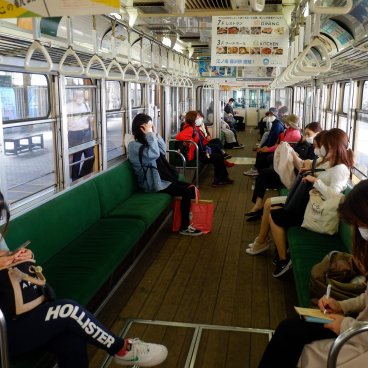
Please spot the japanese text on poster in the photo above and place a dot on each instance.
(249, 40)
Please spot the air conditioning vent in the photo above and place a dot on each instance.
(156, 7)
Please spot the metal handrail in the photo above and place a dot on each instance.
(335, 10)
(196, 156)
(182, 158)
(257, 5)
(341, 340)
(3, 342)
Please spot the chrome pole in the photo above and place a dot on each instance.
(3, 342)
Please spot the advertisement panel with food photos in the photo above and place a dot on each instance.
(257, 40)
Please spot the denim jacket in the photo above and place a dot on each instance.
(148, 178)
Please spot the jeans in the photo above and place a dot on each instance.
(63, 327)
(79, 169)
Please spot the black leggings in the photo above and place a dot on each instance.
(187, 193)
(288, 342)
(63, 327)
(267, 179)
(217, 159)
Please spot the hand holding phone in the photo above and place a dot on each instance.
(24, 245)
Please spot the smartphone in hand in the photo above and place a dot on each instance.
(24, 245)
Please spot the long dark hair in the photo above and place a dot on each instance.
(4, 212)
(138, 121)
(354, 210)
(337, 141)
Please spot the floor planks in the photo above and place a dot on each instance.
(206, 280)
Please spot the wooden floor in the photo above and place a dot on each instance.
(207, 280)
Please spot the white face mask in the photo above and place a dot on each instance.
(323, 151)
(363, 232)
(317, 152)
(198, 122)
(309, 140)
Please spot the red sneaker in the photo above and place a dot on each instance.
(229, 164)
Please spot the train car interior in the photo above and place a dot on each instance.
(72, 81)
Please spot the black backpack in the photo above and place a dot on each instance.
(166, 171)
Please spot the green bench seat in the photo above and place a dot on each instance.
(308, 248)
(84, 234)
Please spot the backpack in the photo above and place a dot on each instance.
(166, 171)
(341, 271)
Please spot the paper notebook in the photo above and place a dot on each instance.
(313, 315)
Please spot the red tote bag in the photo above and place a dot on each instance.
(201, 213)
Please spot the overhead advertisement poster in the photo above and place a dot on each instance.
(53, 8)
(260, 40)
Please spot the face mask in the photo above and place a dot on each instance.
(363, 233)
(323, 151)
(198, 122)
(309, 140)
(317, 152)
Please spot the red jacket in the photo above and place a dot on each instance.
(187, 134)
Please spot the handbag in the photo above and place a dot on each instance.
(340, 270)
(283, 164)
(321, 214)
(298, 196)
(22, 288)
(201, 213)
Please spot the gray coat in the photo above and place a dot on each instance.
(148, 178)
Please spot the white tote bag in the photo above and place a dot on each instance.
(321, 214)
(283, 164)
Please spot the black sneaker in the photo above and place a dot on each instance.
(282, 267)
(191, 231)
(276, 258)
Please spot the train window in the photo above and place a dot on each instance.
(114, 121)
(361, 143)
(82, 125)
(317, 105)
(365, 96)
(23, 96)
(174, 110)
(346, 95)
(208, 104)
(331, 99)
(136, 95)
(113, 95)
(29, 159)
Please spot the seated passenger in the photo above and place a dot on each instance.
(282, 112)
(338, 159)
(143, 154)
(268, 177)
(291, 134)
(207, 154)
(276, 129)
(263, 240)
(297, 343)
(231, 139)
(63, 327)
(239, 119)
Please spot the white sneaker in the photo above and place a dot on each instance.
(251, 172)
(268, 241)
(191, 231)
(142, 354)
(257, 248)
